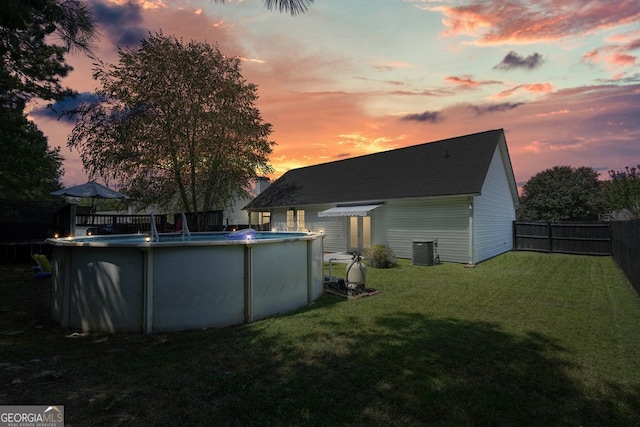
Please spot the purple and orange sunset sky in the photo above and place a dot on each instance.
(353, 77)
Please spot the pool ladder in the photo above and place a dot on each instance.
(185, 228)
(154, 229)
(186, 235)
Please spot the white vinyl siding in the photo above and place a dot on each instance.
(494, 213)
(399, 223)
(279, 220)
(291, 220)
(334, 228)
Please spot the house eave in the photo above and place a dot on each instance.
(364, 202)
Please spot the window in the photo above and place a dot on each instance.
(291, 220)
(300, 218)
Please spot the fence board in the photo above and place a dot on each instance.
(592, 238)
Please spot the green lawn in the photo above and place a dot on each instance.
(522, 339)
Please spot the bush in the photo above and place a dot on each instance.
(381, 256)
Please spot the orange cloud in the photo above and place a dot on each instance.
(468, 81)
(553, 113)
(539, 147)
(492, 22)
(535, 88)
(464, 81)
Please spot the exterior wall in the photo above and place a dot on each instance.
(493, 213)
(278, 220)
(398, 223)
(334, 228)
(235, 215)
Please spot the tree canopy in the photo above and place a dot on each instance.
(562, 193)
(35, 36)
(29, 169)
(622, 192)
(33, 63)
(175, 124)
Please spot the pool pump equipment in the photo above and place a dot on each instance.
(353, 286)
(356, 274)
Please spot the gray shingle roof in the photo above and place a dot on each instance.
(453, 166)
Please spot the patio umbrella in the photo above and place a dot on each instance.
(90, 189)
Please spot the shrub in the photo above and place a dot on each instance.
(381, 256)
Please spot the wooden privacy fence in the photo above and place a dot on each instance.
(585, 238)
(626, 249)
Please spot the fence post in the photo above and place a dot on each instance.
(550, 236)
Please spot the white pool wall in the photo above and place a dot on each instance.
(156, 287)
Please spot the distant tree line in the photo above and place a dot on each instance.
(563, 193)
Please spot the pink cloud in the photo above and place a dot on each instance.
(553, 113)
(538, 88)
(534, 88)
(468, 81)
(593, 56)
(614, 58)
(493, 22)
(464, 81)
(622, 59)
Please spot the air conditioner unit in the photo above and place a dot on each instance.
(423, 252)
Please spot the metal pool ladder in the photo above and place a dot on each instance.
(185, 228)
(154, 229)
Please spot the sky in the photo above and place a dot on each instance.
(354, 77)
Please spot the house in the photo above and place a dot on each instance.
(234, 215)
(460, 191)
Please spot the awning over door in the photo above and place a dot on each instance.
(348, 210)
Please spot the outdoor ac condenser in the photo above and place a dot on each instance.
(423, 252)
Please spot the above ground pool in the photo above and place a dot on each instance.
(178, 281)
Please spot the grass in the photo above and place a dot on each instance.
(522, 339)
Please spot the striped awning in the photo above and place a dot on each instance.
(362, 210)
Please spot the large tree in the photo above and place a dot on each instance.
(562, 193)
(175, 124)
(622, 192)
(35, 36)
(29, 169)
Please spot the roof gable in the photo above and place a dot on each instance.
(453, 166)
